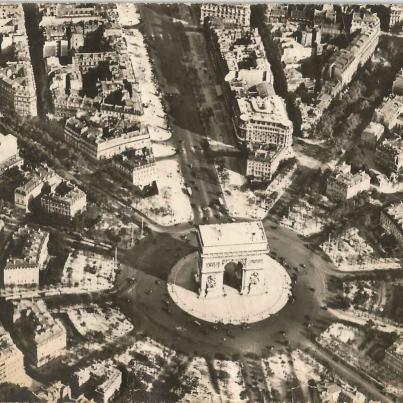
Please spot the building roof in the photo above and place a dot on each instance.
(7, 346)
(269, 109)
(232, 234)
(65, 192)
(266, 153)
(32, 241)
(343, 175)
(132, 159)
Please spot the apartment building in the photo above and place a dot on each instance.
(29, 252)
(390, 112)
(343, 185)
(45, 338)
(17, 89)
(33, 186)
(105, 378)
(138, 166)
(11, 360)
(372, 134)
(258, 114)
(106, 138)
(397, 87)
(391, 220)
(66, 200)
(264, 121)
(396, 14)
(9, 152)
(389, 155)
(345, 62)
(241, 54)
(276, 13)
(394, 357)
(230, 14)
(263, 161)
(17, 84)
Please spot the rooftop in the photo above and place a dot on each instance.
(342, 174)
(104, 128)
(268, 109)
(7, 346)
(265, 153)
(135, 158)
(66, 192)
(232, 233)
(42, 323)
(27, 244)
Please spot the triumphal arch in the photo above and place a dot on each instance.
(242, 247)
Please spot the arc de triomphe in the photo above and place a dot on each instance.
(244, 244)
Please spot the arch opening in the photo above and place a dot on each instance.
(233, 275)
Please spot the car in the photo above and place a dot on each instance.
(148, 292)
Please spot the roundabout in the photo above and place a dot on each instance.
(232, 307)
(155, 309)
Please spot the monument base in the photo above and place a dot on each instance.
(232, 307)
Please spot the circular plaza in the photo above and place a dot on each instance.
(231, 307)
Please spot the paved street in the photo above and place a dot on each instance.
(188, 81)
(287, 329)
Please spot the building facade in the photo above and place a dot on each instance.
(138, 166)
(106, 140)
(105, 378)
(231, 14)
(66, 200)
(11, 360)
(344, 63)
(389, 155)
(394, 357)
(32, 188)
(9, 153)
(396, 14)
(18, 90)
(397, 87)
(23, 269)
(343, 185)
(372, 134)
(46, 337)
(263, 162)
(264, 121)
(391, 220)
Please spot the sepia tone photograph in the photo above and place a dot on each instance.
(201, 202)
